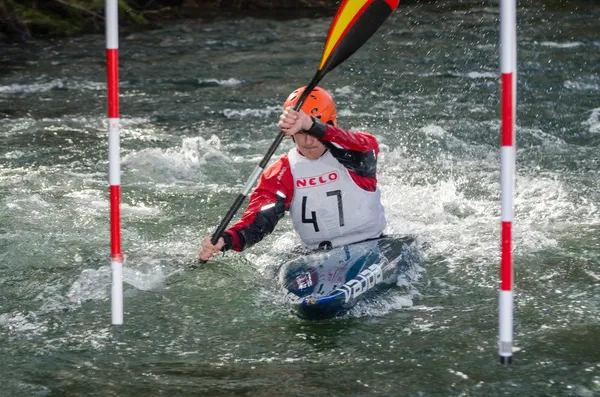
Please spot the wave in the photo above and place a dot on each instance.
(248, 113)
(553, 44)
(593, 122)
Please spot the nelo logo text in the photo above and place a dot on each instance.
(319, 180)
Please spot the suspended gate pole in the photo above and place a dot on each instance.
(114, 173)
(508, 55)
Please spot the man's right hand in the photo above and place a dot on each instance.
(292, 122)
(208, 249)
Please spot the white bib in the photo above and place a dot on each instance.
(328, 206)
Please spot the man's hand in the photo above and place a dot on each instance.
(292, 122)
(208, 249)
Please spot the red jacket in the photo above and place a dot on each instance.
(357, 151)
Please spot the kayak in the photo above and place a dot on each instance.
(326, 284)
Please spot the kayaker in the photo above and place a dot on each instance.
(328, 183)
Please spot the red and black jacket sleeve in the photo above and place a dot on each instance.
(268, 203)
(357, 151)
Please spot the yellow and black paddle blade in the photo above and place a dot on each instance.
(353, 24)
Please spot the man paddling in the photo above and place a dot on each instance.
(328, 183)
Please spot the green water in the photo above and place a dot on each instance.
(199, 106)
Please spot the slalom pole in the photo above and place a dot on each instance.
(114, 172)
(508, 99)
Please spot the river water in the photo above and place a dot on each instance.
(199, 105)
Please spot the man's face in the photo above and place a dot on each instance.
(309, 146)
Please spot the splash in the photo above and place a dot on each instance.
(593, 122)
(149, 280)
(184, 165)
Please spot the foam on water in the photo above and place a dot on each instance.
(461, 227)
(267, 112)
(54, 84)
(554, 44)
(226, 83)
(32, 88)
(348, 92)
(593, 122)
(32, 203)
(482, 75)
(23, 323)
(538, 137)
(543, 204)
(267, 259)
(15, 126)
(131, 127)
(581, 86)
(182, 165)
(82, 211)
(149, 279)
(349, 113)
(90, 285)
(443, 217)
(89, 201)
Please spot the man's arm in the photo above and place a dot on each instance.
(349, 140)
(268, 203)
(357, 151)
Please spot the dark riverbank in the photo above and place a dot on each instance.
(23, 20)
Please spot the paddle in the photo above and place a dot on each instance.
(354, 23)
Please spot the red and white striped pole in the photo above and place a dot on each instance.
(508, 98)
(114, 173)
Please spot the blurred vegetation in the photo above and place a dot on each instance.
(22, 20)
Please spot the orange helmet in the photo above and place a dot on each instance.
(319, 104)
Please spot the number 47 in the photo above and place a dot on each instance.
(313, 214)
